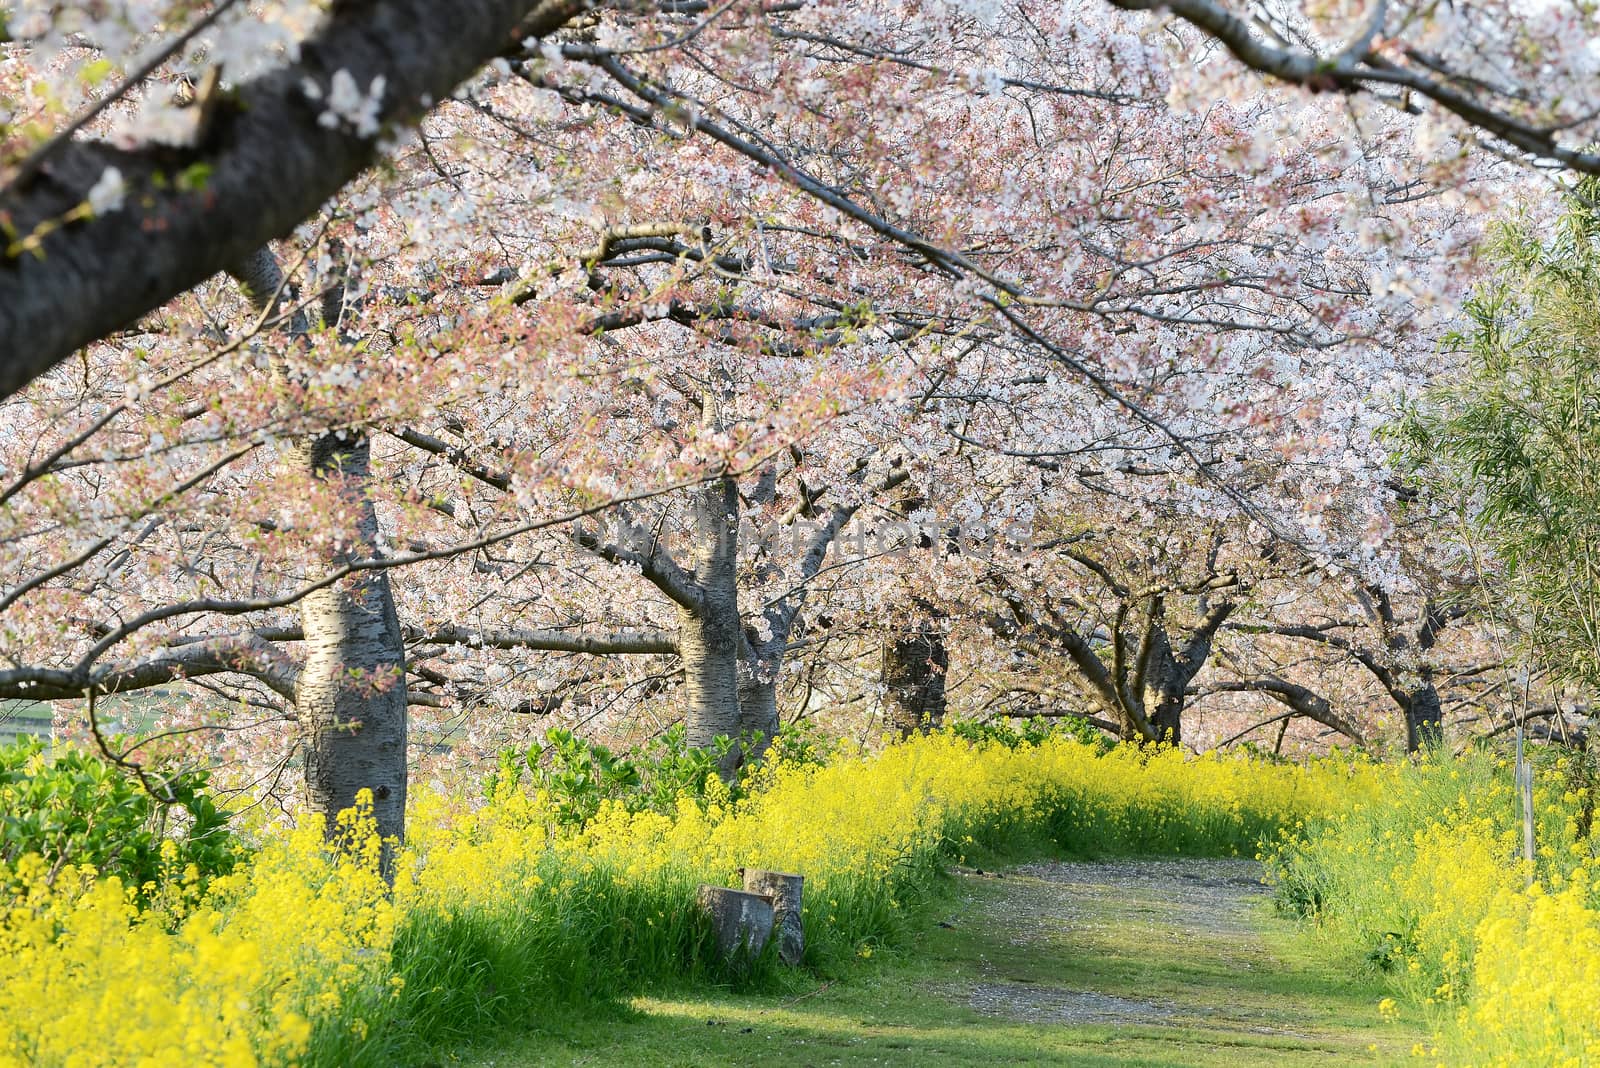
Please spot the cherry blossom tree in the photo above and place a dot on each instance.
(312, 88)
(623, 336)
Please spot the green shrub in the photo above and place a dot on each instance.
(580, 775)
(73, 809)
(1032, 731)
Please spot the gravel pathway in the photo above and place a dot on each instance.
(1201, 911)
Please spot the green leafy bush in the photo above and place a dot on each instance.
(580, 775)
(73, 808)
(1032, 731)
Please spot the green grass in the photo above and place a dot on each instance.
(1231, 983)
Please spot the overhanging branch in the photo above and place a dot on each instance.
(269, 163)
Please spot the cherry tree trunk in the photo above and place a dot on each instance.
(1166, 716)
(352, 692)
(1424, 717)
(351, 695)
(758, 705)
(913, 670)
(708, 643)
(1165, 681)
(710, 634)
(758, 681)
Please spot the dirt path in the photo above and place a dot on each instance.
(1183, 945)
(1125, 963)
(1204, 911)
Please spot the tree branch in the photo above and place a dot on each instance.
(1303, 702)
(269, 163)
(559, 641)
(652, 560)
(1357, 69)
(240, 654)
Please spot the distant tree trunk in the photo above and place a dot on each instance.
(758, 701)
(914, 665)
(1166, 683)
(1412, 689)
(914, 658)
(1424, 715)
(1167, 671)
(351, 695)
(759, 668)
(1166, 717)
(762, 657)
(711, 634)
(1394, 662)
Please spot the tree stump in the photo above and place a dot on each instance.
(784, 890)
(742, 921)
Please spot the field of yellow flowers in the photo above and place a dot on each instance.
(1427, 880)
(501, 911)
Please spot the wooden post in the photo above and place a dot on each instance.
(1524, 776)
(743, 921)
(784, 891)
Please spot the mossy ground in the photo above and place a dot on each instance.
(1126, 963)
